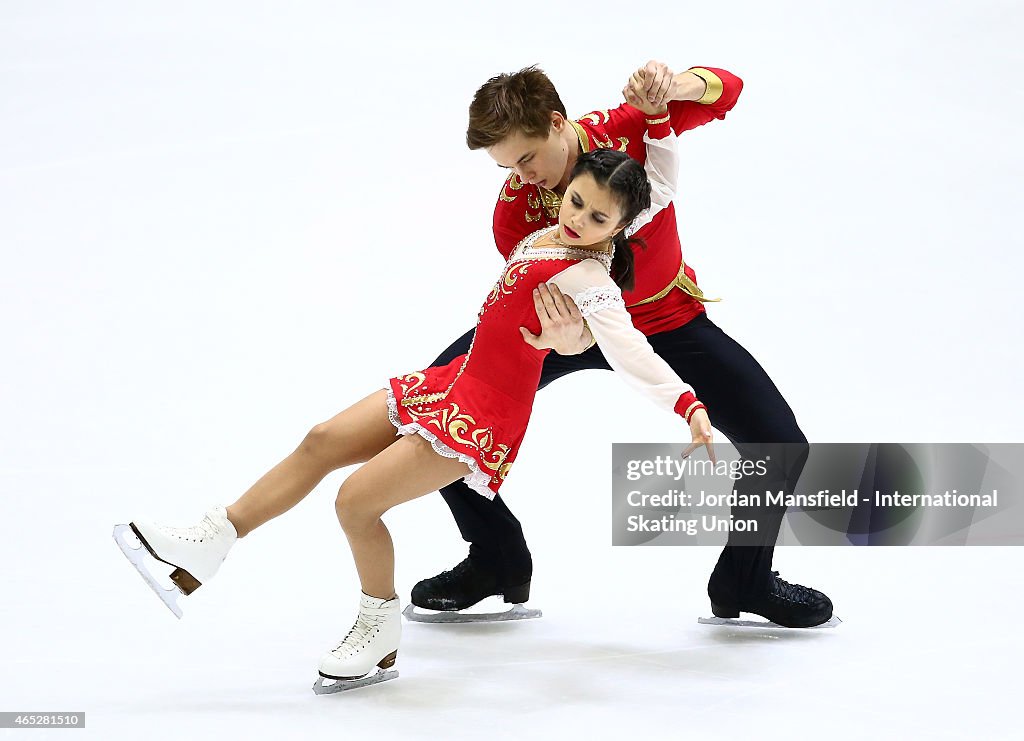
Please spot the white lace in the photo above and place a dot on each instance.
(359, 635)
(476, 479)
(642, 219)
(596, 298)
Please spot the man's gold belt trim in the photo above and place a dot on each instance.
(681, 281)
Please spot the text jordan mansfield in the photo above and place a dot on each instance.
(824, 498)
(678, 498)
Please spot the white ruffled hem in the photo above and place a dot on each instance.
(476, 479)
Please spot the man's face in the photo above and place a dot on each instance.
(536, 160)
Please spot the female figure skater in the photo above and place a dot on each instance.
(463, 420)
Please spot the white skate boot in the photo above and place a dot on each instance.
(195, 552)
(372, 643)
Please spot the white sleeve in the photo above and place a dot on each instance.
(662, 168)
(624, 346)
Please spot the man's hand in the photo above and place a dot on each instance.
(653, 82)
(561, 324)
(633, 93)
(657, 84)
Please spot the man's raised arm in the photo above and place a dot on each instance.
(694, 97)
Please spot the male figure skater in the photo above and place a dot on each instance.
(520, 121)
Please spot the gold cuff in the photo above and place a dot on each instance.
(593, 339)
(656, 121)
(715, 88)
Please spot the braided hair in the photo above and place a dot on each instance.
(627, 180)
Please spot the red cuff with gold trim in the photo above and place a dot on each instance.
(659, 126)
(687, 405)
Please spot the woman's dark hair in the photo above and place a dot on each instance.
(627, 180)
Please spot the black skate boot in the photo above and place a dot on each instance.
(464, 586)
(785, 604)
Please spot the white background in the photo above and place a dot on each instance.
(224, 222)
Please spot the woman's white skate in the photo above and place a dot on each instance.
(194, 552)
(367, 653)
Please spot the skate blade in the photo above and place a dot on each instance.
(516, 612)
(832, 622)
(137, 556)
(327, 686)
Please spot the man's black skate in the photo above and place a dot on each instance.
(785, 604)
(464, 586)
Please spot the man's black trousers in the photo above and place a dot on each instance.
(742, 402)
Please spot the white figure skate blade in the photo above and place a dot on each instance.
(832, 622)
(169, 596)
(516, 612)
(325, 686)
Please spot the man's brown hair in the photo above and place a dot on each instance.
(518, 102)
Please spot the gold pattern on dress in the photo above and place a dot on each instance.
(454, 422)
(506, 284)
(532, 217)
(714, 88)
(533, 200)
(424, 399)
(495, 461)
(483, 438)
(410, 383)
(597, 117)
(460, 426)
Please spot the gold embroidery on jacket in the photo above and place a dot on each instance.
(597, 117)
(607, 142)
(552, 202)
(512, 183)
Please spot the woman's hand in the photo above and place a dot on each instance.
(700, 432)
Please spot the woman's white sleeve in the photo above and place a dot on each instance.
(662, 168)
(624, 346)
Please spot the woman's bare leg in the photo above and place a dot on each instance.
(406, 470)
(353, 436)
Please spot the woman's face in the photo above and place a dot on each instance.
(590, 213)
